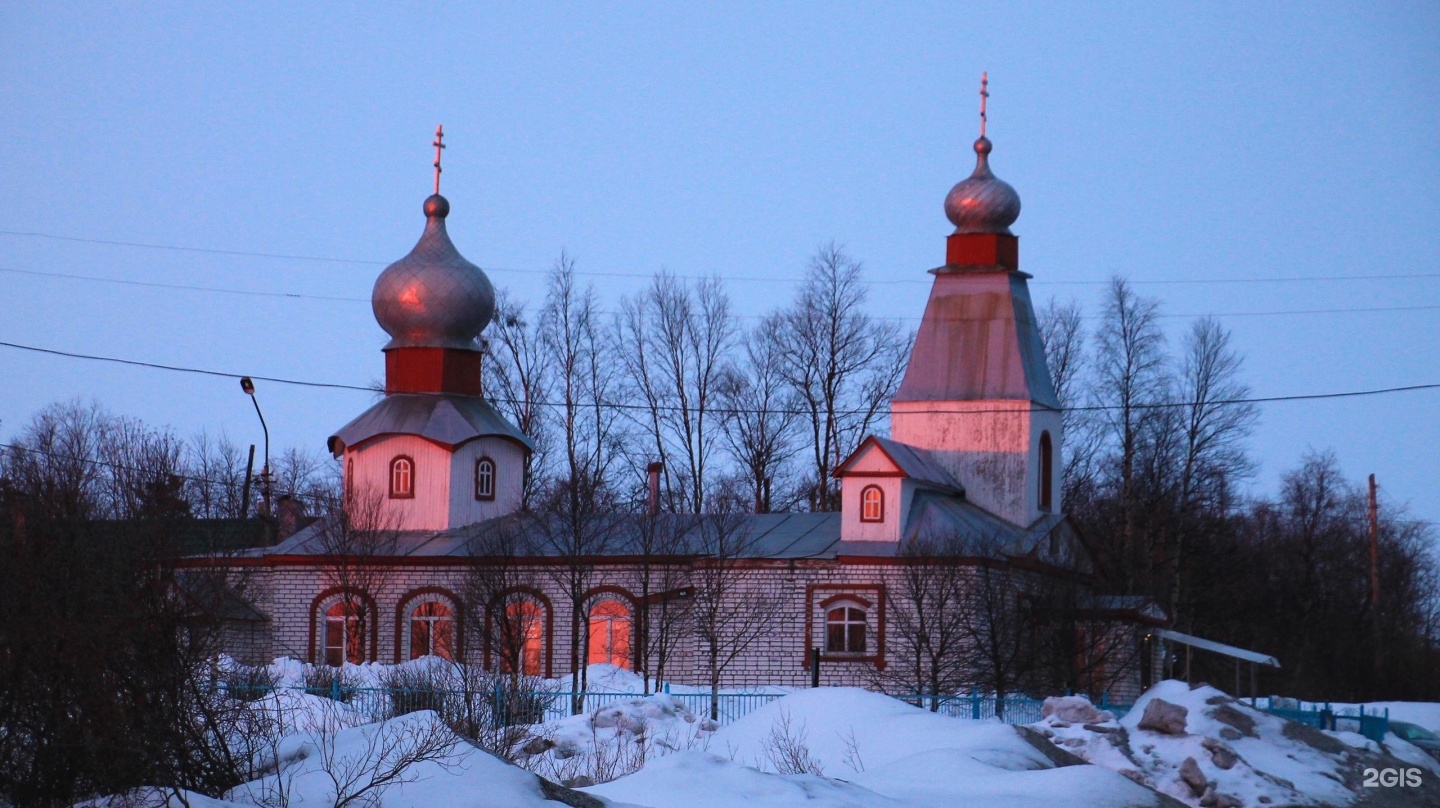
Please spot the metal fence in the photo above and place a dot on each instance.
(1373, 725)
(505, 707)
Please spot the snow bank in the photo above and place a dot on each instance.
(1226, 753)
(866, 749)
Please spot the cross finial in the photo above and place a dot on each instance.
(438, 144)
(984, 94)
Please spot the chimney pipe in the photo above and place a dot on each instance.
(654, 471)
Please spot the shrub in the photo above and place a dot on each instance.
(323, 680)
(411, 689)
(248, 683)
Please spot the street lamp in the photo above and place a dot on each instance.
(249, 388)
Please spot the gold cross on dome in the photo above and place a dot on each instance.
(438, 144)
(984, 94)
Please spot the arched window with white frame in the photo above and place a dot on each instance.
(845, 629)
(521, 638)
(609, 634)
(344, 634)
(484, 479)
(872, 504)
(432, 629)
(402, 478)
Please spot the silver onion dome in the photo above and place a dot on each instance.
(982, 202)
(433, 297)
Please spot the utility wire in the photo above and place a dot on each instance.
(301, 296)
(743, 410)
(762, 278)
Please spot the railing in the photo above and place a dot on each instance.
(500, 705)
(1373, 725)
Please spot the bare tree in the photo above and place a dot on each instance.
(1132, 379)
(761, 416)
(927, 620)
(215, 484)
(584, 378)
(664, 577)
(843, 364)
(1062, 331)
(730, 609)
(516, 379)
(676, 343)
(354, 538)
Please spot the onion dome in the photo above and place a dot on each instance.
(433, 297)
(982, 203)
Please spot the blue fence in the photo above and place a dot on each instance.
(1373, 725)
(499, 705)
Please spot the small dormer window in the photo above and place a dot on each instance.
(484, 478)
(402, 478)
(872, 504)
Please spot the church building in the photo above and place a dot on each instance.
(972, 460)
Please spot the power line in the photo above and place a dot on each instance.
(337, 298)
(762, 278)
(749, 411)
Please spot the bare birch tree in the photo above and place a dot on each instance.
(761, 416)
(676, 342)
(730, 610)
(356, 533)
(516, 379)
(843, 364)
(1131, 366)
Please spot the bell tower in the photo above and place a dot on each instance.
(977, 392)
(432, 454)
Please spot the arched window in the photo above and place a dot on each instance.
(609, 634)
(432, 630)
(484, 478)
(845, 630)
(872, 504)
(344, 634)
(522, 638)
(402, 478)
(1047, 467)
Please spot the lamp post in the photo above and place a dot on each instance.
(249, 388)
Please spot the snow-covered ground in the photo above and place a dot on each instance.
(1222, 752)
(826, 748)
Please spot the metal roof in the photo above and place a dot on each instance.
(1217, 647)
(978, 342)
(448, 419)
(917, 464)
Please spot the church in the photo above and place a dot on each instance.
(433, 476)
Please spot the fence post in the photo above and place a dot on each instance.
(335, 687)
(975, 703)
(815, 667)
(1104, 698)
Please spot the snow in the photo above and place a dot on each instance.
(1276, 764)
(867, 750)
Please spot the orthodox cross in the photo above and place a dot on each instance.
(440, 144)
(984, 94)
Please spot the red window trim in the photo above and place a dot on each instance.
(411, 493)
(866, 490)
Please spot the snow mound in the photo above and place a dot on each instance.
(1230, 754)
(851, 747)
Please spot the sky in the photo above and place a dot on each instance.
(1205, 152)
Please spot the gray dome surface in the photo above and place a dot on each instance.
(982, 203)
(433, 297)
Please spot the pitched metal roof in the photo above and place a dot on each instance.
(448, 419)
(978, 341)
(918, 464)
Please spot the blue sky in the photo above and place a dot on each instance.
(1163, 142)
